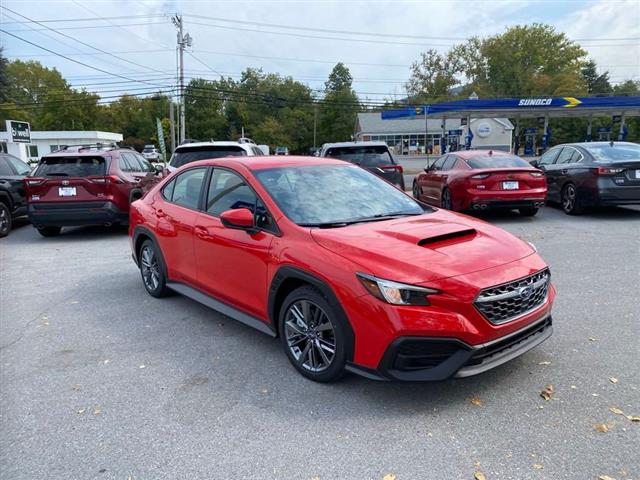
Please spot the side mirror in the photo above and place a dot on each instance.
(428, 168)
(535, 163)
(158, 167)
(239, 218)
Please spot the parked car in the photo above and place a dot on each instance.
(192, 152)
(151, 153)
(281, 151)
(86, 185)
(12, 196)
(583, 175)
(350, 272)
(480, 180)
(373, 156)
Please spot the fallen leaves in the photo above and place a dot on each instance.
(613, 380)
(76, 387)
(475, 400)
(601, 427)
(617, 411)
(389, 476)
(479, 476)
(605, 477)
(547, 392)
(546, 362)
(142, 366)
(537, 466)
(631, 418)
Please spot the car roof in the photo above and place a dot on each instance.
(271, 161)
(244, 146)
(466, 154)
(355, 144)
(594, 144)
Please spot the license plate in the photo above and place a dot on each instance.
(510, 185)
(67, 191)
(638, 174)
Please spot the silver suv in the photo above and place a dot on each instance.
(191, 152)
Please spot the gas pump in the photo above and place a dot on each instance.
(468, 139)
(604, 134)
(454, 140)
(530, 135)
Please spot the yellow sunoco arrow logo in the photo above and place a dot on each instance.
(572, 102)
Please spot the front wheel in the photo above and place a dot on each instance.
(446, 201)
(416, 191)
(527, 211)
(49, 231)
(152, 270)
(569, 200)
(312, 335)
(5, 220)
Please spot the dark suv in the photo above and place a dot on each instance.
(12, 196)
(86, 185)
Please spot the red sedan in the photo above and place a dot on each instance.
(480, 180)
(351, 273)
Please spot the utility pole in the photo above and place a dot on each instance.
(315, 122)
(184, 40)
(172, 126)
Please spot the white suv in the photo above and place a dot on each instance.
(191, 152)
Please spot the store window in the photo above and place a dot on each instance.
(33, 151)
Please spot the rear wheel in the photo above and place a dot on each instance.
(416, 191)
(446, 201)
(312, 335)
(5, 220)
(569, 200)
(49, 231)
(152, 270)
(527, 211)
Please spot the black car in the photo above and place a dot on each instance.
(591, 174)
(373, 156)
(12, 196)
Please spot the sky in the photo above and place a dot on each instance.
(377, 40)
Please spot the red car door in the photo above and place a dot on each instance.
(176, 211)
(430, 182)
(232, 264)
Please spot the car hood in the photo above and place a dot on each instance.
(424, 248)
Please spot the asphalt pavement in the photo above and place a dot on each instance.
(98, 380)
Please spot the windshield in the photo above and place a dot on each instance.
(70, 167)
(148, 150)
(334, 194)
(614, 153)
(497, 161)
(184, 156)
(365, 156)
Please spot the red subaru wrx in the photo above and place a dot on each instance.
(350, 272)
(480, 180)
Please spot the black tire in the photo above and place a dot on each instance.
(152, 270)
(445, 199)
(414, 190)
(5, 220)
(569, 200)
(308, 342)
(49, 231)
(528, 211)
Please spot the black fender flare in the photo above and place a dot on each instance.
(5, 198)
(143, 231)
(300, 276)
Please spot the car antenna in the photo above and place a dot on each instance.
(490, 152)
(611, 143)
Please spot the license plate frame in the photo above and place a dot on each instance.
(511, 185)
(637, 174)
(67, 192)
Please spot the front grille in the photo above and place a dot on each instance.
(508, 301)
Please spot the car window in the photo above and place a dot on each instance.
(439, 163)
(18, 165)
(167, 190)
(565, 155)
(186, 191)
(191, 154)
(448, 164)
(128, 163)
(611, 152)
(5, 169)
(365, 156)
(549, 157)
(576, 157)
(228, 191)
(145, 165)
(83, 166)
(497, 161)
(257, 151)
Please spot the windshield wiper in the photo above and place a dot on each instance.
(344, 223)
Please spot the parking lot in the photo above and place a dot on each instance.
(99, 380)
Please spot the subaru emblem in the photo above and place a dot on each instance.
(525, 292)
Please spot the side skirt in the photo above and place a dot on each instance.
(221, 307)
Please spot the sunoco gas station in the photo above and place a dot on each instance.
(529, 141)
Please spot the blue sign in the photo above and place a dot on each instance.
(455, 133)
(530, 131)
(604, 130)
(402, 113)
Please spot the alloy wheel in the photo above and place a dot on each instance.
(569, 198)
(416, 193)
(446, 199)
(310, 336)
(150, 268)
(4, 220)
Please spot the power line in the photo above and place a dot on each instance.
(92, 27)
(80, 41)
(85, 19)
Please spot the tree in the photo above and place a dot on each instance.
(597, 84)
(4, 80)
(339, 107)
(432, 77)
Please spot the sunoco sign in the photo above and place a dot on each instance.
(19, 132)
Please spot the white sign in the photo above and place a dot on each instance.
(483, 130)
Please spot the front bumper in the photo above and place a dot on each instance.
(75, 214)
(419, 359)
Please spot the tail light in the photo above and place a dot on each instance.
(480, 176)
(605, 171)
(33, 181)
(106, 180)
(396, 168)
(537, 174)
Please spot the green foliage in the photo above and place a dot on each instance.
(597, 84)
(340, 105)
(4, 80)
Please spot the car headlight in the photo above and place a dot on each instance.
(394, 292)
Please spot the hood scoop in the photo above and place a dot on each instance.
(459, 235)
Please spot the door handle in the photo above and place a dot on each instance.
(201, 231)
(564, 171)
(160, 213)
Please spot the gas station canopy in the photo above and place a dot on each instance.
(525, 108)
